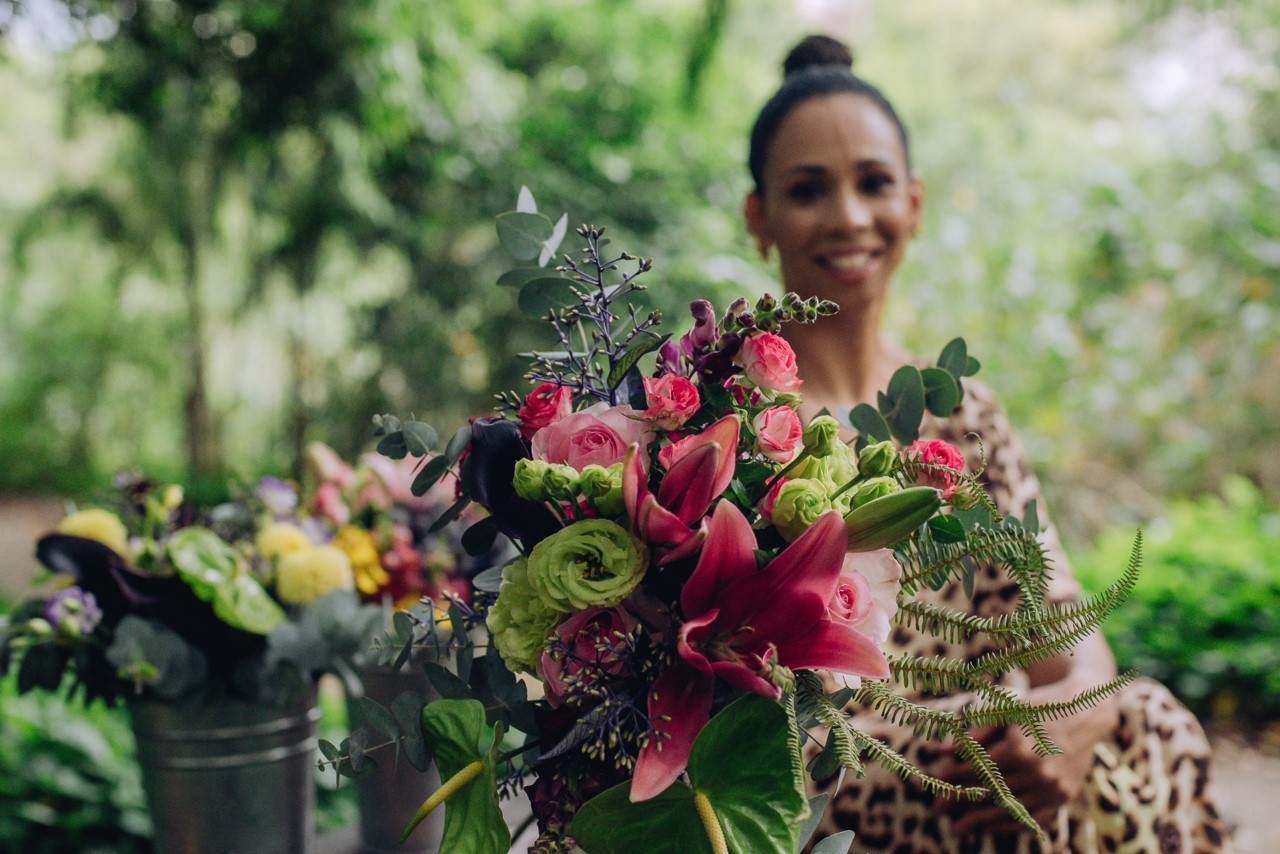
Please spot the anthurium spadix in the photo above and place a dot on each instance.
(699, 469)
(741, 623)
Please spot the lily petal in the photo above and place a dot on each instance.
(689, 487)
(679, 707)
(835, 646)
(727, 554)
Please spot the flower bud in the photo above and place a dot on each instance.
(822, 436)
(39, 627)
(870, 490)
(528, 479)
(602, 488)
(876, 460)
(171, 498)
(768, 302)
(560, 482)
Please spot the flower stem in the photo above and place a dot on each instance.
(451, 787)
(710, 823)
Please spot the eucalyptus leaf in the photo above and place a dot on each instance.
(458, 444)
(449, 515)
(328, 749)
(941, 391)
(446, 682)
(553, 242)
(429, 475)
(520, 275)
(393, 445)
(488, 581)
(473, 821)
(972, 366)
(376, 715)
(542, 296)
(407, 709)
(356, 744)
(525, 202)
(827, 763)
(817, 806)
(955, 358)
(868, 421)
(419, 438)
(522, 234)
(903, 403)
(836, 843)
(479, 538)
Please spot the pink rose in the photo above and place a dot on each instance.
(328, 467)
(590, 644)
(765, 505)
(871, 599)
(673, 400)
(328, 504)
(769, 362)
(545, 405)
(599, 435)
(778, 433)
(939, 453)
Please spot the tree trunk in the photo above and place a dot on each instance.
(202, 452)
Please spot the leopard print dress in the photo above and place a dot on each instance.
(1149, 789)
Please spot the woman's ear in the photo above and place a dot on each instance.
(915, 193)
(753, 212)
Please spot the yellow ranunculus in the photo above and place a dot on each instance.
(282, 538)
(365, 562)
(305, 576)
(101, 525)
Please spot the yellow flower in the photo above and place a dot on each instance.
(101, 525)
(359, 546)
(282, 538)
(305, 576)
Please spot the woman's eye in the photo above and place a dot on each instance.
(875, 184)
(805, 191)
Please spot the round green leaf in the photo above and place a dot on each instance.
(522, 234)
(941, 391)
(544, 295)
(520, 275)
(954, 358)
(903, 404)
(868, 421)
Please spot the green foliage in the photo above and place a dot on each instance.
(1205, 615)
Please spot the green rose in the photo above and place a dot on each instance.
(603, 488)
(878, 459)
(561, 482)
(822, 436)
(799, 504)
(594, 563)
(520, 620)
(876, 487)
(529, 478)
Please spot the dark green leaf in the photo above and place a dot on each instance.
(842, 697)
(836, 843)
(946, 529)
(430, 474)
(447, 683)
(542, 296)
(384, 424)
(328, 749)
(941, 391)
(634, 354)
(972, 366)
(393, 445)
(520, 275)
(458, 444)
(1031, 518)
(827, 763)
(478, 539)
(954, 358)
(472, 819)
(402, 623)
(522, 234)
(868, 421)
(903, 404)
(817, 805)
(419, 438)
(42, 667)
(377, 716)
(407, 709)
(449, 515)
(355, 746)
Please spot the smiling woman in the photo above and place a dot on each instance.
(836, 195)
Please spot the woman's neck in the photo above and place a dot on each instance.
(842, 359)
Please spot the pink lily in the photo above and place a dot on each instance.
(743, 621)
(699, 469)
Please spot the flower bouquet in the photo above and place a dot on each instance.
(693, 558)
(214, 626)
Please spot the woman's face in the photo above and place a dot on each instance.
(837, 201)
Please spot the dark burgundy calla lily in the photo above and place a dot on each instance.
(496, 447)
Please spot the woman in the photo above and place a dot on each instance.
(836, 197)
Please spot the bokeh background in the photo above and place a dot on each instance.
(228, 227)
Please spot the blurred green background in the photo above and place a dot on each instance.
(232, 226)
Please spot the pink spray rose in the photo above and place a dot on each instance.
(598, 435)
(867, 594)
(545, 405)
(673, 400)
(769, 362)
(590, 644)
(328, 504)
(939, 453)
(778, 433)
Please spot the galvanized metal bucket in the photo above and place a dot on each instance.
(229, 776)
(390, 796)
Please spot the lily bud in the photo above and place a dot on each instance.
(878, 459)
(884, 521)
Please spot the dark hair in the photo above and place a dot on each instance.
(817, 66)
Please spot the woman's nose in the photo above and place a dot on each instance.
(852, 211)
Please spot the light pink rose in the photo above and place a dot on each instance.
(588, 645)
(769, 362)
(545, 405)
(881, 574)
(851, 601)
(328, 467)
(599, 435)
(673, 400)
(778, 433)
(938, 453)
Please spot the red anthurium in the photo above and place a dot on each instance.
(742, 621)
(697, 473)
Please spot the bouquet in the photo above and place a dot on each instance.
(160, 600)
(704, 580)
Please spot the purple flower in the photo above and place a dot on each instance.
(73, 611)
(280, 498)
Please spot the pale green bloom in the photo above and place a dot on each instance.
(603, 488)
(561, 482)
(529, 479)
(799, 504)
(870, 490)
(822, 436)
(878, 459)
(594, 563)
(520, 620)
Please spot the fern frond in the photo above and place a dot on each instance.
(926, 561)
(995, 715)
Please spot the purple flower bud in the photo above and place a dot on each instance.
(279, 497)
(73, 611)
(704, 333)
(669, 358)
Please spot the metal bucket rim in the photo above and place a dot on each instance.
(268, 727)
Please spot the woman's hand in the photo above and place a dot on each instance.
(1042, 784)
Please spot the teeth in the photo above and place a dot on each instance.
(856, 261)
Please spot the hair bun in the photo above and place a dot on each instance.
(817, 52)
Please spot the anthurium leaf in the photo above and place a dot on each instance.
(941, 391)
(868, 421)
(522, 235)
(741, 763)
(243, 603)
(836, 843)
(210, 567)
(634, 353)
(472, 819)
(903, 403)
(541, 296)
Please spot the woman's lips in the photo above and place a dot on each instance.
(849, 265)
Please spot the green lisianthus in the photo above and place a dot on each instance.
(878, 459)
(520, 619)
(870, 490)
(590, 564)
(603, 488)
(529, 479)
(799, 504)
(822, 436)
